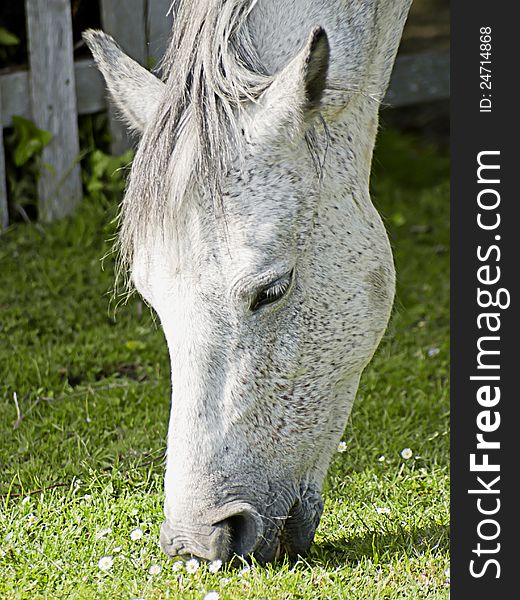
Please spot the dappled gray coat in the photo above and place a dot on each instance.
(247, 225)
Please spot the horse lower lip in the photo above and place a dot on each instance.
(300, 527)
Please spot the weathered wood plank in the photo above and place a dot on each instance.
(160, 23)
(4, 211)
(91, 91)
(125, 21)
(420, 78)
(53, 104)
(14, 89)
(416, 78)
(91, 94)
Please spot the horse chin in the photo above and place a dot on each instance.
(297, 534)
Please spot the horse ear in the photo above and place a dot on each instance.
(316, 56)
(294, 97)
(134, 90)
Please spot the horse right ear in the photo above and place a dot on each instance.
(134, 90)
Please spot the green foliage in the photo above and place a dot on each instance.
(24, 145)
(8, 45)
(104, 176)
(27, 140)
(409, 162)
(84, 401)
(7, 38)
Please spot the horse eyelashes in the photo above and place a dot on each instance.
(272, 292)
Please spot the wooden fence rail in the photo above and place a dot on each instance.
(55, 89)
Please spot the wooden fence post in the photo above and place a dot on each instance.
(4, 212)
(160, 25)
(125, 21)
(53, 103)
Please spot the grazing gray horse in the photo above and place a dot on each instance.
(247, 225)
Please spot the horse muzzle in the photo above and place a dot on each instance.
(238, 530)
(233, 531)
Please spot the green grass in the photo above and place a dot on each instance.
(92, 391)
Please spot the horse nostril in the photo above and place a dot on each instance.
(239, 534)
(245, 530)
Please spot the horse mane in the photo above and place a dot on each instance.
(211, 69)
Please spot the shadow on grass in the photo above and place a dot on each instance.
(380, 547)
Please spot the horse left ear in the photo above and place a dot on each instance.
(316, 65)
(135, 91)
(294, 97)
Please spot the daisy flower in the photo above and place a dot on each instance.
(136, 534)
(192, 566)
(212, 596)
(154, 570)
(105, 563)
(342, 446)
(103, 533)
(31, 519)
(406, 453)
(177, 566)
(382, 458)
(214, 566)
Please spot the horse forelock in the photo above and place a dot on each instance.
(211, 70)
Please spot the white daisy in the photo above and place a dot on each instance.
(192, 566)
(177, 566)
(103, 533)
(212, 596)
(215, 566)
(342, 446)
(31, 519)
(406, 453)
(136, 534)
(105, 563)
(381, 458)
(154, 570)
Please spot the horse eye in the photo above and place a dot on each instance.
(272, 292)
